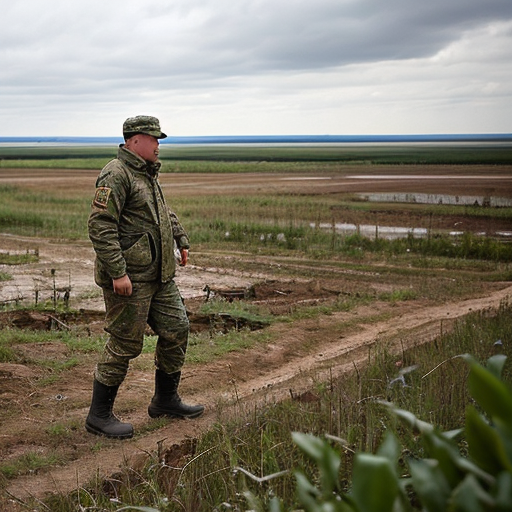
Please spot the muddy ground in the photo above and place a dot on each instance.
(302, 352)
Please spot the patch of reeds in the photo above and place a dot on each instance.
(18, 258)
(269, 222)
(30, 213)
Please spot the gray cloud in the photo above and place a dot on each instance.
(282, 55)
(331, 33)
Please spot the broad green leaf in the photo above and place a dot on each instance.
(493, 396)
(307, 493)
(503, 492)
(253, 501)
(470, 497)
(452, 435)
(329, 466)
(468, 467)
(374, 483)
(325, 456)
(409, 418)
(349, 503)
(275, 505)
(452, 464)
(485, 445)
(447, 455)
(310, 445)
(390, 448)
(495, 364)
(430, 484)
(329, 470)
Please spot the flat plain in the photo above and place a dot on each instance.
(301, 351)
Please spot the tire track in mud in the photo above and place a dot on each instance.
(336, 356)
(276, 371)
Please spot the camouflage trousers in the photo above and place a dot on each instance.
(158, 305)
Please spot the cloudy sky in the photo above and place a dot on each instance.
(251, 67)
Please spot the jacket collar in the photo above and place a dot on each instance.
(137, 163)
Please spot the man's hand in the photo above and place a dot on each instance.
(184, 257)
(122, 286)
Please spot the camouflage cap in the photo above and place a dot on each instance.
(143, 124)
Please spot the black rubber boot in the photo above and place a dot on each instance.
(101, 420)
(167, 402)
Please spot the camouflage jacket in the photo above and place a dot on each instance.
(131, 228)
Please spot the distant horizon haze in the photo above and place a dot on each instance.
(271, 139)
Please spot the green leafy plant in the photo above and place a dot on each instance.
(444, 480)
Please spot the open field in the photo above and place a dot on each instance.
(432, 153)
(328, 309)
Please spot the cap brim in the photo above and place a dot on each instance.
(158, 135)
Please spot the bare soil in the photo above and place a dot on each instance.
(302, 352)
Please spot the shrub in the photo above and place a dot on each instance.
(446, 480)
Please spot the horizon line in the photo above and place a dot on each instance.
(236, 139)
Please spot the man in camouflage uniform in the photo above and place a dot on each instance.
(133, 234)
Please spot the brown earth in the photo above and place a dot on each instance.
(301, 352)
(488, 180)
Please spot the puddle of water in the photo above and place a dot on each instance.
(423, 177)
(389, 232)
(305, 178)
(371, 231)
(488, 201)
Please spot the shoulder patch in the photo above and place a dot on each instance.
(101, 197)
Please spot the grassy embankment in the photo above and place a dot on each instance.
(213, 472)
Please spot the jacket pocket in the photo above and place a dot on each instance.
(138, 252)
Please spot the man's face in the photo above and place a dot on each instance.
(146, 146)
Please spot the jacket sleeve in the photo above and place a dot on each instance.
(112, 188)
(178, 232)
